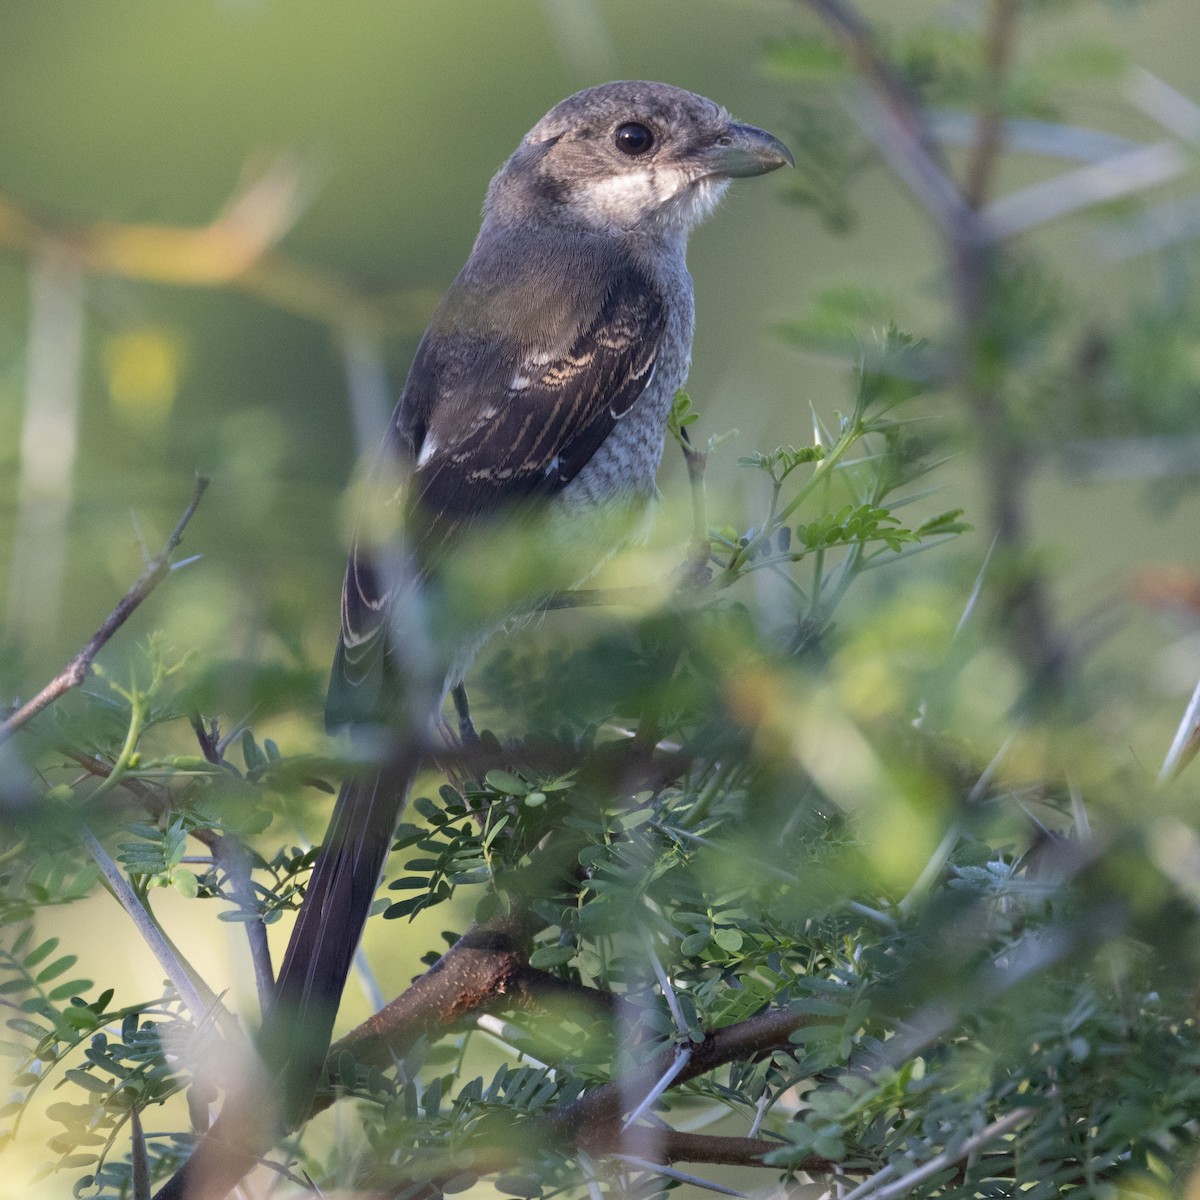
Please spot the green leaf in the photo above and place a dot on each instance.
(68, 990)
(407, 835)
(88, 1081)
(552, 956)
(185, 883)
(36, 955)
(728, 939)
(252, 756)
(506, 783)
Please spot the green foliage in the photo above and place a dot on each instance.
(865, 460)
(111, 1059)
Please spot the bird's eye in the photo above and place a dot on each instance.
(633, 138)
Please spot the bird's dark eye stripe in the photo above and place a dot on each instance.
(634, 138)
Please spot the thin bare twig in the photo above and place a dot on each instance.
(708, 1185)
(230, 855)
(1186, 741)
(163, 951)
(76, 671)
(937, 1164)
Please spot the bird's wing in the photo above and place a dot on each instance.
(491, 419)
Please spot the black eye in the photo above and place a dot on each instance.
(633, 138)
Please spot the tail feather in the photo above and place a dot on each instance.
(320, 953)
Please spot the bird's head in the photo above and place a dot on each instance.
(632, 156)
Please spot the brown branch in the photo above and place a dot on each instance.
(670, 1146)
(593, 1122)
(486, 970)
(479, 970)
(76, 671)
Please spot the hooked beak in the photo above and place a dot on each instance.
(744, 150)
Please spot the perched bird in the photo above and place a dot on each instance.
(543, 384)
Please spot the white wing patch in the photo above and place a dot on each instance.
(429, 448)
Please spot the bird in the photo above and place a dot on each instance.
(542, 387)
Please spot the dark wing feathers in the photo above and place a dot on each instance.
(490, 421)
(534, 423)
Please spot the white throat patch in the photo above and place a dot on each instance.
(667, 195)
(627, 197)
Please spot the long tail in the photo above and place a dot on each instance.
(299, 1024)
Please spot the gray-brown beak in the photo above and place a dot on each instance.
(745, 150)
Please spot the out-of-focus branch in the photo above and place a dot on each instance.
(906, 140)
(235, 250)
(971, 251)
(989, 128)
(186, 982)
(76, 671)
(48, 444)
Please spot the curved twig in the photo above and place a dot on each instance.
(76, 671)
